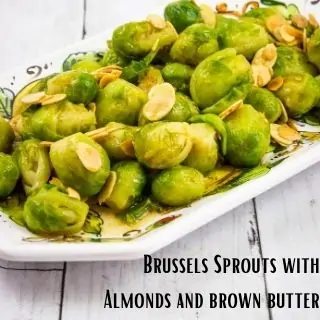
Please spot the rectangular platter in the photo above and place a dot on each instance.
(118, 242)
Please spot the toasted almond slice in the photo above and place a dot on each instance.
(222, 7)
(313, 21)
(162, 98)
(275, 84)
(261, 75)
(231, 109)
(294, 32)
(274, 22)
(274, 131)
(53, 99)
(208, 15)
(128, 148)
(110, 127)
(284, 115)
(299, 21)
(89, 157)
(106, 69)
(46, 144)
(289, 133)
(266, 56)
(55, 181)
(33, 98)
(157, 21)
(107, 189)
(73, 194)
(106, 79)
(285, 35)
(305, 41)
(250, 5)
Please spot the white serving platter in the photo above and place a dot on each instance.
(16, 243)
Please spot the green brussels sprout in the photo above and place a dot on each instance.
(9, 174)
(6, 135)
(130, 182)
(178, 186)
(80, 163)
(246, 37)
(194, 44)
(34, 164)
(182, 14)
(52, 212)
(137, 39)
(313, 48)
(204, 153)
(80, 87)
(22, 125)
(150, 78)
(290, 60)
(248, 137)
(110, 57)
(86, 66)
(55, 121)
(215, 76)
(264, 101)
(118, 142)
(119, 101)
(178, 75)
(299, 93)
(161, 145)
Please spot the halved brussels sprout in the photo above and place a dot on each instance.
(6, 135)
(195, 44)
(52, 212)
(204, 153)
(130, 182)
(80, 87)
(34, 164)
(119, 141)
(161, 145)
(80, 163)
(215, 76)
(55, 121)
(137, 39)
(119, 101)
(313, 48)
(86, 66)
(248, 136)
(150, 78)
(110, 57)
(264, 101)
(178, 186)
(299, 93)
(178, 75)
(182, 14)
(246, 37)
(9, 174)
(21, 124)
(291, 60)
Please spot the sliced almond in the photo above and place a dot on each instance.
(283, 134)
(208, 15)
(235, 106)
(105, 131)
(89, 157)
(274, 22)
(73, 194)
(128, 148)
(50, 99)
(222, 7)
(157, 21)
(313, 21)
(106, 69)
(299, 21)
(107, 78)
(107, 189)
(55, 181)
(305, 40)
(285, 35)
(284, 115)
(162, 98)
(261, 75)
(266, 56)
(250, 5)
(33, 98)
(275, 84)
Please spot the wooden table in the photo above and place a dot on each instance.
(284, 222)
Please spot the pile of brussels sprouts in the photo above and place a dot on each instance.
(172, 100)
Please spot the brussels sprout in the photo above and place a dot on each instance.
(246, 37)
(264, 101)
(313, 48)
(22, 124)
(182, 14)
(150, 78)
(118, 143)
(55, 121)
(80, 163)
(6, 135)
(178, 75)
(110, 57)
(52, 212)
(299, 93)
(9, 174)
(178, 186)
(215, 76)
(204, 153)
(260, 15)
(291, 60)
(86, 65)
(80, 87)
(161, 145)
(136, 39)
(119, 101)
(248, 136)
(195, 44)
(130, 182)
(34, 164)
